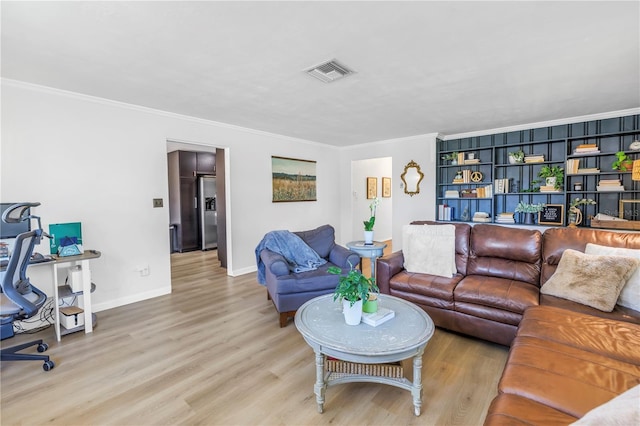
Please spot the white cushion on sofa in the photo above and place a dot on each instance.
(429, 249)
(622, 410)
(630, 295)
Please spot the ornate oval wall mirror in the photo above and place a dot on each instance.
(411, 178)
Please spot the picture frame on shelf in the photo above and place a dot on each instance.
(386, 187)
(551, 214)
(631, 212)
(372, 187)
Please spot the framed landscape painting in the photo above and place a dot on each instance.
(293, 179)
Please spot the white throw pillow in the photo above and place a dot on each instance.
(430, 249)
(630, 294)
(622, 410)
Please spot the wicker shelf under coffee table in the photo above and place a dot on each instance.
(362, 353)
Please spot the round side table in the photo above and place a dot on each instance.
(372, 251)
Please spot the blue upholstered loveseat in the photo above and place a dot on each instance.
(289, 290)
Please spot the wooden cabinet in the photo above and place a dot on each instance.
(504, 184)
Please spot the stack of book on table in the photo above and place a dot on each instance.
(586, 148)
(381, 316)
(610, 185)
(505, 217)
(450, 193)
(481, 217)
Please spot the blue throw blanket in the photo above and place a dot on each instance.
(296, 252)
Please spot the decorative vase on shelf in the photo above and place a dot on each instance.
(352, 313)
(529, 218)
(368, 237)
(575, 217)
(551, 181)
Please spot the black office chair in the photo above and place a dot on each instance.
(19, 298)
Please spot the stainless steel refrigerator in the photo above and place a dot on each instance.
(208, 213)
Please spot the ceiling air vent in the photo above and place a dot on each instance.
(329, 71)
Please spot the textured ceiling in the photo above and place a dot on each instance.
(421, 67)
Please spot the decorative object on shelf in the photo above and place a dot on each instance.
(352, 289)
(465, 217)
(471, 156)
(623, 162)
(529, 211)
(635, 175)
(516, 157)
(476, 176)
(635, 146)
(411, 178)
(551, 214)
(554, 178)
(368, 224)
(453, 157)
(577, 186)
(575, 214)
(632, 213)
(372, 187)
(458, 177)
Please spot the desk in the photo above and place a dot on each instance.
(65, 291)
(372, 251)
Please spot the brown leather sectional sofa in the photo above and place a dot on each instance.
(567, 358)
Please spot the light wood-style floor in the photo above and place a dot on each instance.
(211, 353)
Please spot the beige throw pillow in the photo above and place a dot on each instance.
(592, 280)
(623, 410)
(430, 249)
(630, 294)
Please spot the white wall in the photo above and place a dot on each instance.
(405, 208)
(101, 163)
(360, 170)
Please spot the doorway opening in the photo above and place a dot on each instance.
(197, 205)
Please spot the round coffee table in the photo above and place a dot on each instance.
(321, 323)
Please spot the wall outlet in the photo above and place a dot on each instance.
(157, 202)
(143, 270)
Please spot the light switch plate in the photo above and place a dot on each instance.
(157, 202)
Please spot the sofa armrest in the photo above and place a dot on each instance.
(386, 267)
(275, 262)
(343, 257)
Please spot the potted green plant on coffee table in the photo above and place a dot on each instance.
(353, 290)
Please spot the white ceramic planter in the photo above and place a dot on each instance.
(352, 314)
(368, 237)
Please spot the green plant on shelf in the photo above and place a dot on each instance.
(523, 207)
(623, 162)
(518, 156)
(555, 173)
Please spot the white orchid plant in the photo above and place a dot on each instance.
(368, 224)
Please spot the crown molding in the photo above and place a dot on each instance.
(549, 123)
(124, 105)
